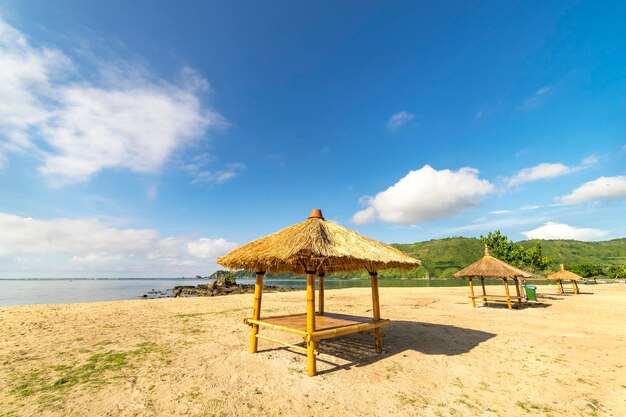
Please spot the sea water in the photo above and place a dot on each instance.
(14, 292)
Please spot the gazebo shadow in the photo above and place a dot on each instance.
(525, 306)
(551, 296)
(432, 339)
(561, 296)
(357, 350)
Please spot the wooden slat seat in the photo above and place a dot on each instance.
(495, 297)
(326, 325)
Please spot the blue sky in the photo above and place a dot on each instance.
(144, 140)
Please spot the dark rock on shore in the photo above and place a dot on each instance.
(223, 285)
(152, 294)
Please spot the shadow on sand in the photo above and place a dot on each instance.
(528, 305)
(561, 296)
(357, 350)
(550, 296)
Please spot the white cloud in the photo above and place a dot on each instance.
(538, 172)
(425, 194)
(367, 215)
(210, 248)
(398, 120)
(603, 188)
(536, 99)
(27, 74)
(91, 244)
(498, 212)
(486, 226)
(218, 177)
(27, 235)
(137, 129)
(548, 170)
(590, 160)
(552, 230)
(79, 126)
(3, 161)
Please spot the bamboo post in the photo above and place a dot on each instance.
(508, 296)
(256, 310)
(519, 294)
(559, 286)
(575, 284)
(378, 339)
(482, 283)
(321, 294)
(310, 323)
(472, 293)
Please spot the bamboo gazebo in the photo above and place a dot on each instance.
(564, 274)
(315, 247)
(490, 267)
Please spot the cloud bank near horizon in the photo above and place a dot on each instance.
(553, 230)
(91, 245)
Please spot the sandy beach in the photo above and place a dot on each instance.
(188, 356)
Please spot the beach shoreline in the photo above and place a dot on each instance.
(188, 356)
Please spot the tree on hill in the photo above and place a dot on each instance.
(616, 271)
(587, 270)
(503, 248)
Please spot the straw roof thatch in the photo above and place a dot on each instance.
(564, 274)
(488, 266)
(318, 244)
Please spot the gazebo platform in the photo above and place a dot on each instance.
(327, 325)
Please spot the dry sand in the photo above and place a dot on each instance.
(188, 356)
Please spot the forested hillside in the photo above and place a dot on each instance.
(575, 251)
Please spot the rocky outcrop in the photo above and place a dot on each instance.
(223, 285)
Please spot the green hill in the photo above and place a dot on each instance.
(441, 258)
(574, 251)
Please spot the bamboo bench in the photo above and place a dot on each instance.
(327, 325)
(498, 298)
(495, 297)
(561, 289)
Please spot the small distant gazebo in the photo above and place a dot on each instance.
(564, 274)
(315, 247)
(490, 267)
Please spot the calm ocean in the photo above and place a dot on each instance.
(14, 292)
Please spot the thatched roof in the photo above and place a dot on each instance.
(488, 267)
(564, 274)
(319, 244)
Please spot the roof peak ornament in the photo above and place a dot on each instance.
(316, 214)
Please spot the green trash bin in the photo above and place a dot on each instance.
(531, 292)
